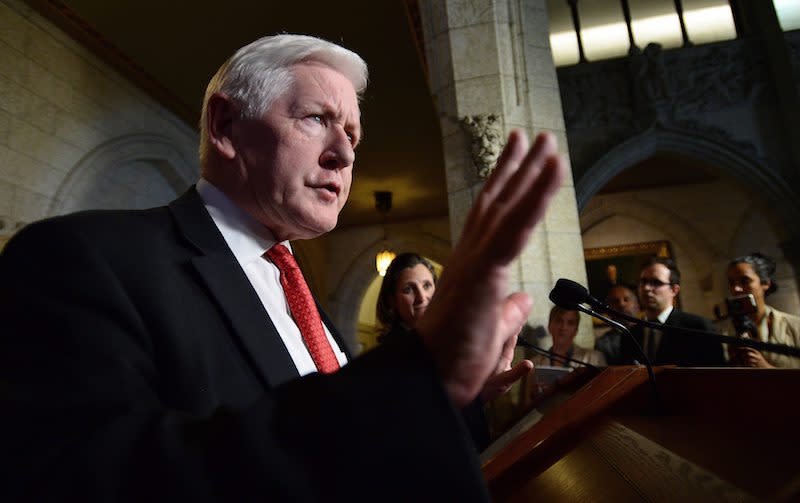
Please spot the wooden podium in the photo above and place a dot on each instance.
(719, 434)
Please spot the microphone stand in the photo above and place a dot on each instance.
(557, 356)
(770, 347)
(567, 294)
(657, 404)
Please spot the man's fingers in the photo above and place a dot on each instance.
(509, 377)
(515, 227)
(520, 370)
(516, 184)
(521, 202)
(515, 311)
(507, 164)
(498, 384)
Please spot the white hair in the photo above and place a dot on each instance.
(260, 72)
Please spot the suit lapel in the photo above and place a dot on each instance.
(335, 333)
(227, 283)
(666, 351)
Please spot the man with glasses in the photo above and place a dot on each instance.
(659, 284)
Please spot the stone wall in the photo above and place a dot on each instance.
(74, 134)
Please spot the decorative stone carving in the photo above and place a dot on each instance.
(595, 95)
(691, 89)
(486, 141)
(652, 88)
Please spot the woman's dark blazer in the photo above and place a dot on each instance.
(473, 414)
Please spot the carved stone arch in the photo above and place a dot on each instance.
(158, 157)
(345, 300)
(701, 251)
(766, 186)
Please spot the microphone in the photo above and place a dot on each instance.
(568, 294)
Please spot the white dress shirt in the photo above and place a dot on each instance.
(652, 337)
(248, 239)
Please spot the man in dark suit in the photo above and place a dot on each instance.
(623, 299)
(159, 354)
(659, 284)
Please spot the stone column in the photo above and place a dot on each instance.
(489, 63)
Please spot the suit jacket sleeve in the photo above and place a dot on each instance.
(695, 351)
(85, 415)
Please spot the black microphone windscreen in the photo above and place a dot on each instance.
(567, 294)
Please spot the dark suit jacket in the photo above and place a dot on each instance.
(473, 414)
(684, 350)
(138, 364)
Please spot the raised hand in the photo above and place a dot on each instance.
(471, 317)
(505, 376)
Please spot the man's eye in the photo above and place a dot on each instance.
(317, 118)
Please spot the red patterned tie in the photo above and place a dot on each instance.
(303, 309)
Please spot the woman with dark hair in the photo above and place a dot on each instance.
(405, 293)
(755, 274)
(406, 290)
(563, 327)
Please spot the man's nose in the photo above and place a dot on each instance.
(339, 151)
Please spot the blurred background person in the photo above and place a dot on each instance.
(406, 290)
(623, 299)
(755, 274)
(563, 327)
(405, 293)
(659, 285)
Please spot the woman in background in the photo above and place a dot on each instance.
(406, 291)
(755, 274)
(563, 327)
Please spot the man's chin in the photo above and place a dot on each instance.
(317, 228)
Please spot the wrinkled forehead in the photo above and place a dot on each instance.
(329, 86)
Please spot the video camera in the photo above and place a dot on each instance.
(738, 309)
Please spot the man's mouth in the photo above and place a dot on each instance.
(331, 188)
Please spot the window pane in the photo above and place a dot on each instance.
(788, 13)
(655, 21)
(563, 41)
(708, 21)
(603, 29)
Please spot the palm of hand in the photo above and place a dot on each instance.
(471, 324)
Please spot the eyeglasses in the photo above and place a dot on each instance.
(651, 282)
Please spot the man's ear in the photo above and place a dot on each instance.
(676, 289)
(220, 114)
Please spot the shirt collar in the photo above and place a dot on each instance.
(766, 322)
(662, 318)
(247, 238)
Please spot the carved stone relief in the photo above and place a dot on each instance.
(485, 136)
(608, 100)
